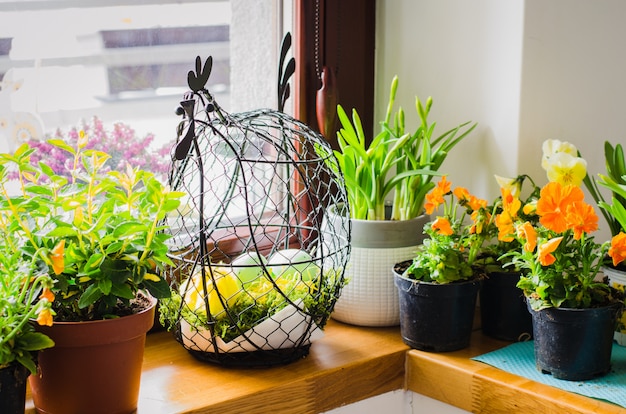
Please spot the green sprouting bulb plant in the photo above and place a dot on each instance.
(393, 160)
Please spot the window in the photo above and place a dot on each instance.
(62, 61)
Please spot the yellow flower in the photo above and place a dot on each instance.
(552, 147)
(617, 251)
(530, 208)
(527, 232)
(545, 251)
(45, 317)
(504, 223)
(566, 169)
(57, 257)
(47, 294)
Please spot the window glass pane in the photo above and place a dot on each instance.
(63, 62)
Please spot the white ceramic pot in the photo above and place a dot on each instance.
(370, 298)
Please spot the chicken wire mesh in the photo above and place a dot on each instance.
(258, 265)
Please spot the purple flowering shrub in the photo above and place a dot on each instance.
(121, 143)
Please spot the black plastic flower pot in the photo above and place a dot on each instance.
(574, 344)
(13, 389)
(436, 317)
(503, 310)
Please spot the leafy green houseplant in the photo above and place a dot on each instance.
(561, 257)
(394, 160)
(557, 250)
(25, 300)
(566, 297)
(615, 180)
(455, 237)
(98, 236)
(24, 296)
(439, 287)
(615, 215)
(396, 167)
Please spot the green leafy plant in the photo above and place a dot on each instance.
(393, 160)
(561, 257)
(455, 237)
(505, 210)
(24, 296)
(614, 180)
(97, 234)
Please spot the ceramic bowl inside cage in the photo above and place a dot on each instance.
(256, 303)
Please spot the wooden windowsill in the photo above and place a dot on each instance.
(347, 365)
(480, 388)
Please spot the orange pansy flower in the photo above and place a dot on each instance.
(476, 203)
(617, 251)
(527, 232)
(553, 203)
(506, 230)
(462, 194)
(433, 200)
(444, 185)
(545, 251)
(582, 218)
(57, 257)
(442, 226)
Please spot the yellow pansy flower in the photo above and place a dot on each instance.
(566, 169)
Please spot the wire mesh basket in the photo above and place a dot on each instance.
(258, 268)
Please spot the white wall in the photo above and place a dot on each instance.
(467, 56)
(525, 70)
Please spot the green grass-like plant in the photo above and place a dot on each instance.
(393, 160)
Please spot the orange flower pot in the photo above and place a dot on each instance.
(94, 367)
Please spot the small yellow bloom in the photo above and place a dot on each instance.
(545, 251)
(83, 139)
(566, 169)
(45, 317)
(47, 294)
(506, 230)
(530, 208)
(78, 216)
(57, 257)
(527, 232)
(617, 251)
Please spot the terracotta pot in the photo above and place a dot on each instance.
(94, 367)
(13, 388)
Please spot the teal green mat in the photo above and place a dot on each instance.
(519, 359)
